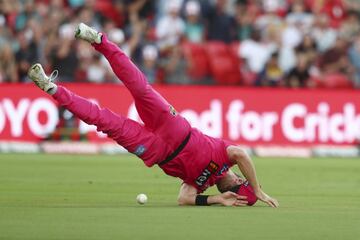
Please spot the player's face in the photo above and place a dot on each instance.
(237, 180)
(228, 181)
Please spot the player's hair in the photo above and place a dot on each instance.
(221, 187)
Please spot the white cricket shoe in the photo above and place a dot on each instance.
(37, 75)
(87, 33)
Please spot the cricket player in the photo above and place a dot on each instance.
(166, 139)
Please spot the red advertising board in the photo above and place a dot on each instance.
(248, 116)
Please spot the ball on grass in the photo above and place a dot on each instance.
(141, 198)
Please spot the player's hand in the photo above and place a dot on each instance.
(262, 196)
(232, 199)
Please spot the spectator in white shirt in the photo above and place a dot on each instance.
(256, 53)
(171, 27)
(299, 17)
(325, 36)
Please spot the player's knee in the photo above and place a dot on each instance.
(138, 89)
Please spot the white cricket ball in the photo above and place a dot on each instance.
(141, 198)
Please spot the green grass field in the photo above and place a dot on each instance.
(93, 197)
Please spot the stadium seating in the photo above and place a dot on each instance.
(224, 66)
(337, 81)
(333, 81)
(195, 54)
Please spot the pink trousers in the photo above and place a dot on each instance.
(164, 129)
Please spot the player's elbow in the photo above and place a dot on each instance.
(185, 200)
(237, 154)
(182, 201)
(187, 195)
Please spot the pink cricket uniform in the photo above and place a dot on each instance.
(201, 162)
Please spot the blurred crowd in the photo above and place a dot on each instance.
(291, 43)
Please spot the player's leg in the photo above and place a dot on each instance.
(128, 133)
(106, 121)
(153, 109)
(157, 114)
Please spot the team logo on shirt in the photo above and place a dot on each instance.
(222, 170)
(211, 168)
(172, 110)
(140, 150)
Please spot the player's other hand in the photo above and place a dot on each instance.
(232, 199)
(262, 196)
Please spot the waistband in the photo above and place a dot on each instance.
(177, 151)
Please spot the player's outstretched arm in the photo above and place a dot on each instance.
(247, 168)
(188, 196)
